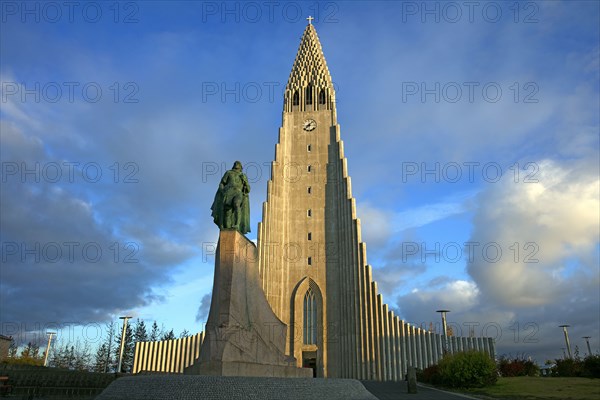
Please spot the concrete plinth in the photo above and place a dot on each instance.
(243, 335)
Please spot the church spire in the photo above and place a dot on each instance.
(309, 86)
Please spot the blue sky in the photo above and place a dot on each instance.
(130, 112)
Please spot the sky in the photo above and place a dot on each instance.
(471, 133)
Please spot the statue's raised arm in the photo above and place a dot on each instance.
(231, 206)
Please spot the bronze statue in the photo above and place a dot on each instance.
(231, 207)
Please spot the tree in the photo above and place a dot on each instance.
(30, 355)
(103, 359)
(109, 341)
(169, 335)
(13, 349)
(185, 333)
(32, 350)
(140, 334)
(154, 333)
(70, 357)
(100, 360)
(83, 357)
(58, 355)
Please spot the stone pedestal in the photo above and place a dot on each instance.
(243, 337)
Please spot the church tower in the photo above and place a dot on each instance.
(309, 230)
(312, 261)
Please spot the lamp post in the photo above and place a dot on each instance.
(122, 341)
(587, 340)
(444, 330)
(50, 334)
(567, 338)
(444, 326)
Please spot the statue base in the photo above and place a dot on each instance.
(243, 336)
(220, 368)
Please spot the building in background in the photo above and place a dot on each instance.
(5, 342)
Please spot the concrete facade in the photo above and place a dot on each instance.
(171, 356)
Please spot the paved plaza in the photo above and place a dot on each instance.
(178, 386)
(399, 391)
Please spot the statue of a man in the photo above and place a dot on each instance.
(231, 207)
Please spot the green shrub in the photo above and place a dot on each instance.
(591, 366)
(467, 370)
(24, 360)
(568, 367)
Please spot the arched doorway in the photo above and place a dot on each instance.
(307, 339)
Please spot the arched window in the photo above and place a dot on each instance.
(296, 98)
(322, 96)
(309, 92)
(310, 317)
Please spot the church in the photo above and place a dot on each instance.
(311, 258)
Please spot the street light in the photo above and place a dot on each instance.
(50, 334)
(567, 338)
(444, 330)
(444, 327)
(122, 341)
(587, 340)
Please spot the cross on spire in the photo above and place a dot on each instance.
(309, 19)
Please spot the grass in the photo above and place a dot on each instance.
(535, 388)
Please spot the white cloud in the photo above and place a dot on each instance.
(454, 295)
(555, 221)
(521, 303)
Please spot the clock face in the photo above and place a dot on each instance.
(309, 125)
